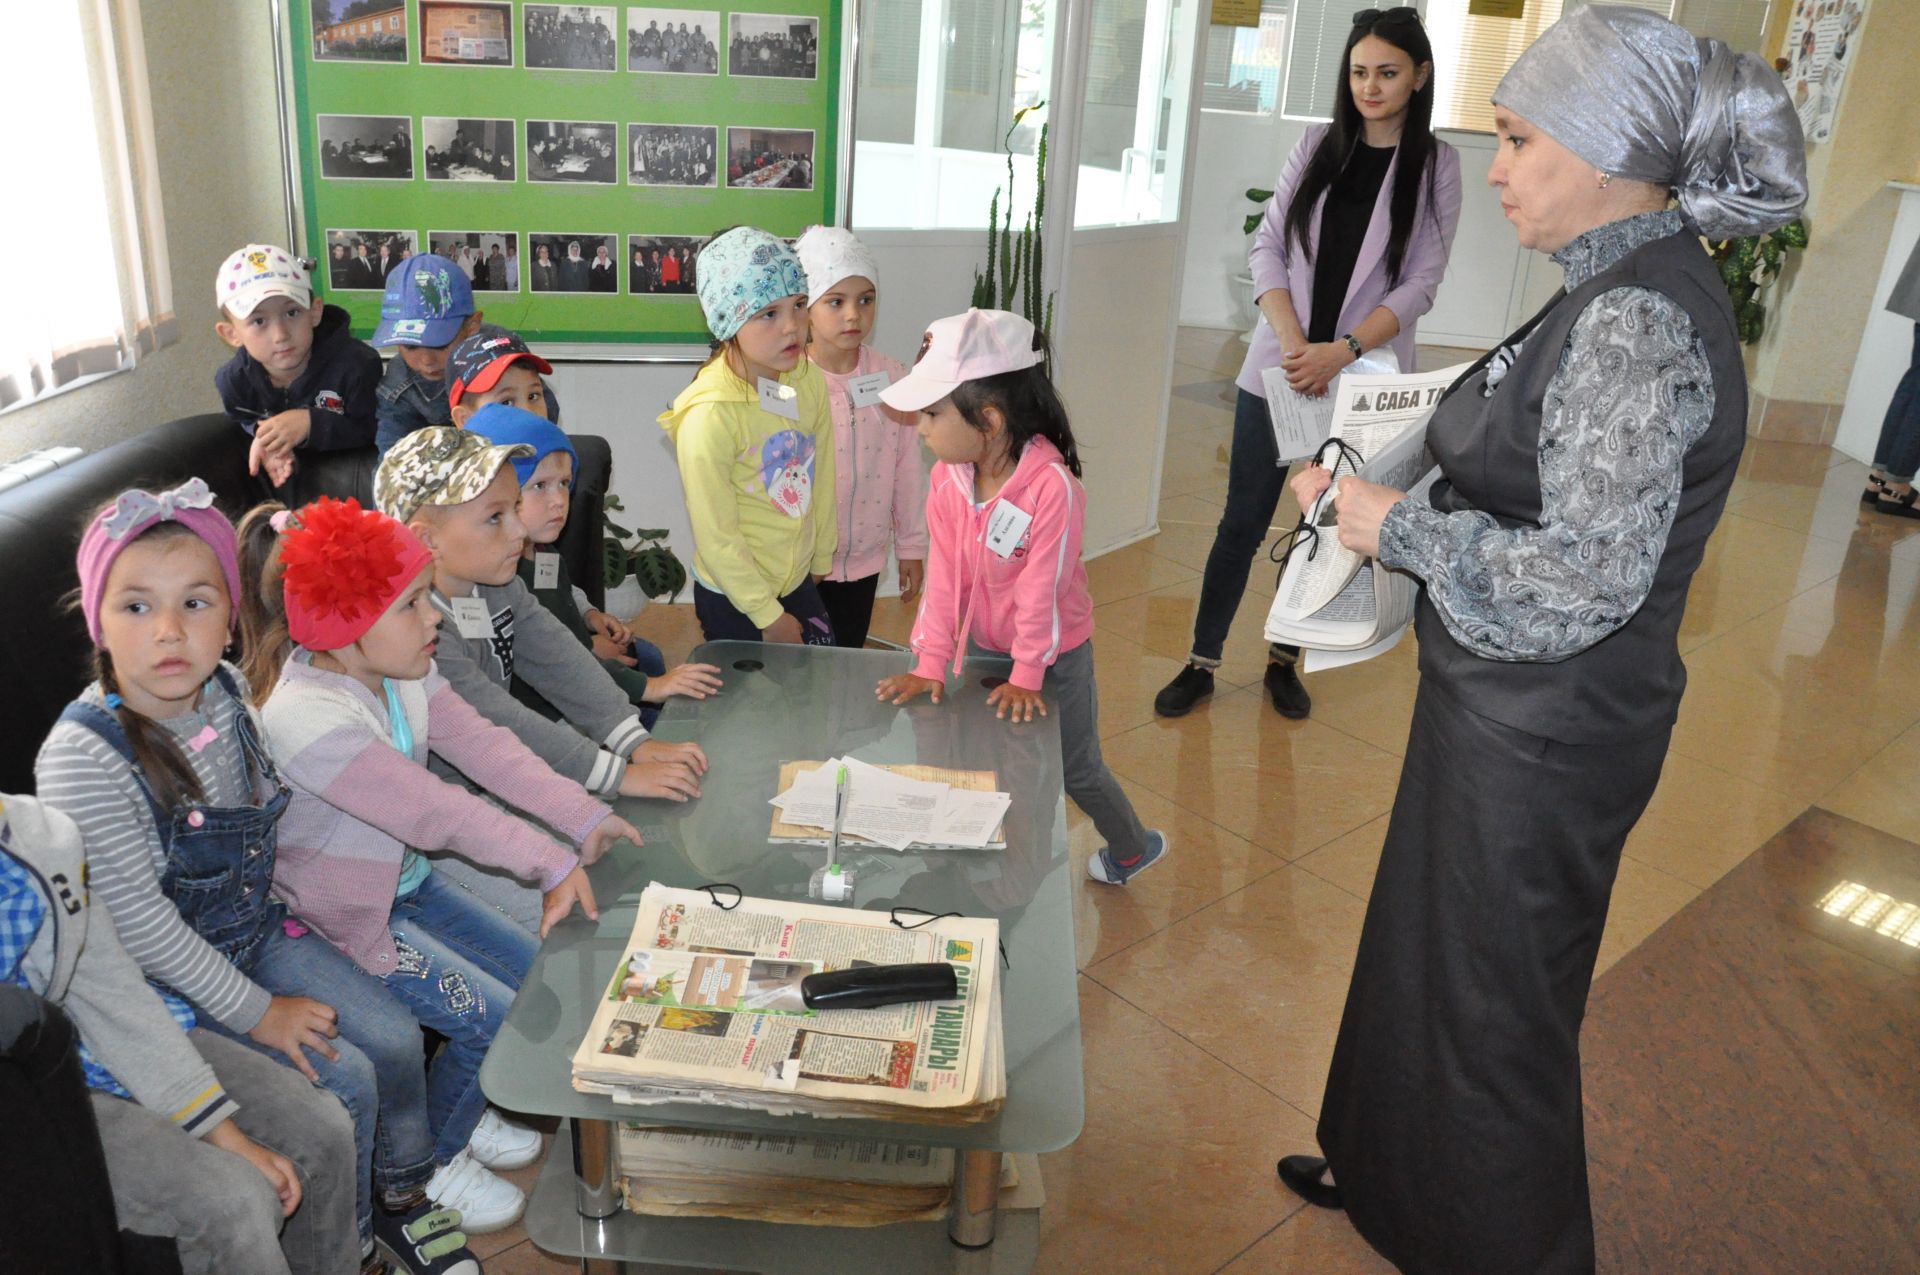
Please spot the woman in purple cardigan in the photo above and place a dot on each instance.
(1347, 258)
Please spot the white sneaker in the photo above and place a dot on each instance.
(499, 1143)
(486, 1203)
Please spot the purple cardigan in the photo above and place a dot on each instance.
(1277, 263)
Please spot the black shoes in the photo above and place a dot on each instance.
(1177, 698)
(1301, 1173)
(1875, 486)
(1289, 696)
(1899, 506)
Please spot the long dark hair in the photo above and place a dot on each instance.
(264, 640)
(1401, 28)
(1026, 401)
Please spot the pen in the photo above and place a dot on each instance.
(839, 816)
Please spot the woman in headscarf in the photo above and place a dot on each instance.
(1583, 465)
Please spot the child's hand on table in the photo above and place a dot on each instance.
(559, 901)
(673, 780)
(611, 829)
(659, 750)
(695, 681)
(903, 687)
(1021, 703)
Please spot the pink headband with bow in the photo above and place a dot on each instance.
(121, 523)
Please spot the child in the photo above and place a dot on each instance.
(545, 478)
(232, 1156)
(353, 714)
(1004, 518)
(881, 486)
(755, 441)
(297, 378)
(160, 764)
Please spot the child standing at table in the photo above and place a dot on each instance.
(755, 441)
(1004, 520)
(881, 487)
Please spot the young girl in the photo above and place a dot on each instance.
(160, 764)
(880, 484)
(352, 713)
(1004, 520)
(755, 441)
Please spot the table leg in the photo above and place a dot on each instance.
(976, 1198)
(596, 1183)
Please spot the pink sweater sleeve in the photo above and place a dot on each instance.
(936, 628)
(493, 757)
(1053, 549)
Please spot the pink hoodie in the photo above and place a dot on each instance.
(1032, 604)
(877, 471)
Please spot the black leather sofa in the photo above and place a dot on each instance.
(45, 657)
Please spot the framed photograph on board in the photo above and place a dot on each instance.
(358, 260)
(489, 258)
(673, 41)
(462, 33)
(569, 37)
(662, 265)
(359, 32)
(467, 150)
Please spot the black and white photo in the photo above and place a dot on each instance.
(366, 147)
(573, 263)
(359, 260)
(359, 30)
(673, 41)
(775, 45)
(672, 154)
(466, 33)
(569, 37)
(467, 150)
(568, 151)
(489, 258)
(770, 158)
(662, 265)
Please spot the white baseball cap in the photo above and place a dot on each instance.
(256, 272)
(961, 348)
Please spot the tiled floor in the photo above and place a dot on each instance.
(1802, 659)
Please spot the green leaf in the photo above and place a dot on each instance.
(1259, 196)
(613, 563)
(651, 533)
(658, 571)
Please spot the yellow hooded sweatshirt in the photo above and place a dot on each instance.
(760, 487)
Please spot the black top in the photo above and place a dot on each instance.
(337, 389)
(1344, 219)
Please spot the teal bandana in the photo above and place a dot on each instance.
(742, 273)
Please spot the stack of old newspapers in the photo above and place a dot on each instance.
(704, 1006)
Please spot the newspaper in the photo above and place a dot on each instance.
(897, 806)
(704, 1007)
(1301, 424)
(1331, 598)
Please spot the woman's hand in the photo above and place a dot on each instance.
(559, 901)
(1307, 484)
(294, 1023)
(786, 629)
(1021, 703)
(905, 686)
(1312, 368)
(274, 1167)
(1361, 507)
(611, 829)
(695, 681)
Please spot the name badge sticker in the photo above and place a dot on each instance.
(471, 618)
(865, 390)
(546, 570)
(1005, 527)
(781, 400)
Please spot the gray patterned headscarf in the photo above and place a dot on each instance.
(1638, 97)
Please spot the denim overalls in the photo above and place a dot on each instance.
(219, 859)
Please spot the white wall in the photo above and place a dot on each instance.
(1886, 344)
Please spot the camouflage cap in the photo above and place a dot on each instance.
(439, 465)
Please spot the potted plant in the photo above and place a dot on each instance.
(639, 565)
(1243, 282)
(1748, 266)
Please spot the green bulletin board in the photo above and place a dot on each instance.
(404, 144)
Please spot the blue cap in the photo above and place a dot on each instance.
(428, 298)
(505, 425)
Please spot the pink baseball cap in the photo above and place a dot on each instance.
(961, 348)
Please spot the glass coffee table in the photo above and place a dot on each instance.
(792, 703)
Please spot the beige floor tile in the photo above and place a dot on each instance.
(1185, 373)
(1217, 349)
(1828, 507)
(1196, 465)
(672, 627)
(1288, 786)
(1174, 1173)
(1372, 700)
(1768, 463)
(1259, 978)
(1162, 621)
(1703, 822)
(1750, 567)
(1881, 793)
(1315, 1241)
(1206, 863)
(1186, 543)
(1643, 899)
(1132, 570)
(1350, 861)
(1201, 511)
(1127, 676)
(525, 1259)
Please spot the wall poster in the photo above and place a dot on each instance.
(570, 158)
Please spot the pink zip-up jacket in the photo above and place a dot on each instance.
(358, 802)
(1033, 604)
(878, 477)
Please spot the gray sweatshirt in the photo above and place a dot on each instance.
(600, 727)
(77, 963)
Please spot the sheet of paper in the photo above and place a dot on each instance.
(969, 818)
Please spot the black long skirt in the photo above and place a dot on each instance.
(1452, 1115)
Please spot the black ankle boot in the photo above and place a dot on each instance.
(1284, 687)
(1301, 1174)
(1177, 698)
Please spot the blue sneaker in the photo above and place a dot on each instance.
(1102, 867)
(425, 1240)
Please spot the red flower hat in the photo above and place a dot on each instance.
(343, 567)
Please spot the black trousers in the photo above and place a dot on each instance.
(1452, 1115)
(849, 606)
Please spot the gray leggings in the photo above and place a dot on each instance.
(1074, 701)
(218, 1207)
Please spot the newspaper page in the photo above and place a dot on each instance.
(706, 1001)
(1301, 424)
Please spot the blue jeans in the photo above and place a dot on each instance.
(460, 964)
(380, 1075)
(1255, 479)
(1898, 455)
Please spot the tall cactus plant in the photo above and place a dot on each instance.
(1014, 257)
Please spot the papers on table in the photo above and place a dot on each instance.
(889, 808)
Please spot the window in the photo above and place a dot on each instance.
(87, 287)
(1134, 131)
(1246, 64)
